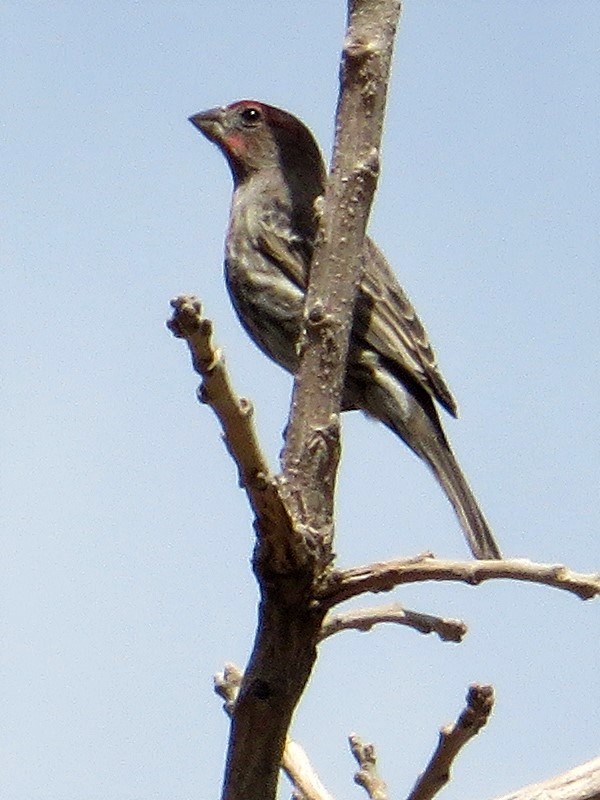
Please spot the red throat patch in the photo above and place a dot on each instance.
(235, 144)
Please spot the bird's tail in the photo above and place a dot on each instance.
(416, 421)
(409, 411)
(477, 532)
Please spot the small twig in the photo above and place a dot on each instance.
(234, 412)
(363, 619)
(301, 773)
(367, 775)
(227, 685)
(480, 700)
(239, 434)
(295, 762)
(385, 576)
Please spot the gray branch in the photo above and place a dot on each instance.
(480, 700)
(385, 576)
(311, 454)
(367, 776)
(289, 621)
(580, 783)
(235, 414)
(363, 619)
(295, 763)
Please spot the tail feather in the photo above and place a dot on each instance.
(409, 411)
(452, 480)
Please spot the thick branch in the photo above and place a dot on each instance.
(385, 576)
(363, 619)
(295, 762)
(480, 700)
(581, 783)
(311, 453)
(289, 621)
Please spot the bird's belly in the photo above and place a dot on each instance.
(269, 306)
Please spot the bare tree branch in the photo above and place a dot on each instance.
(480, 700)
(581, 783)
(294, 512)
(363, 619)
(367, 775)
(311, 454)
(295, 762)
(301, 774)
(235, 415)
(227, 685)
(289, 621)
(385, 576)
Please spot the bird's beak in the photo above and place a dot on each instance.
(210, 123)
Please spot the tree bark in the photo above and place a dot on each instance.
(289, 618)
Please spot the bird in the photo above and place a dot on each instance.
(391, 370)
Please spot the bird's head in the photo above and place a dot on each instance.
(257, 138)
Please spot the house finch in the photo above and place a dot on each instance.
(391, 373)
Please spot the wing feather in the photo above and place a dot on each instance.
(389, 324)
(385, 319)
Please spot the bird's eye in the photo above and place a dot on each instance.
(250, 116)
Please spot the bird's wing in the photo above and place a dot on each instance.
(389, 324)
(291, 255)
(384, 317)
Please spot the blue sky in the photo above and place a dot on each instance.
(125, 580)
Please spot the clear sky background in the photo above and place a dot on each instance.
(125, 580)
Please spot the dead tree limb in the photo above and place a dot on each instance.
(368, 775)
(289, 621)
(312, 449)
(294, 511)
(386, 575)
(363, 619)
(580, 783)
(480, 700)
(235, 415)
(295, 763)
